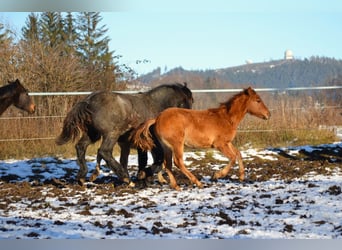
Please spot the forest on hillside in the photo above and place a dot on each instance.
(313, 71)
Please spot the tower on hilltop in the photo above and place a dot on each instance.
(288, 55)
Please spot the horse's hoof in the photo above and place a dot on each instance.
(126, 180)
(81, 182)
(92, 178)
(156, 168)
(161, 178)
(148, 171)
(131, 184)
(141, 175)
(140, 184)
(149, 179)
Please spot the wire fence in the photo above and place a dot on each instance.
(194, 91)
(204, 91)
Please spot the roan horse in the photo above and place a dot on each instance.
(113, 116)
(15, 93)
(212, 128)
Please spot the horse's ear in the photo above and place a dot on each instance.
(16, 81)
(185, 84)
(248, 91)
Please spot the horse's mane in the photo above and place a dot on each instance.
(228, 104)
(9, 89)
(12, 85)
(174, 86)
(177, 87)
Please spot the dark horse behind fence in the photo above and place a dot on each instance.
(212, 128)
(113, 116)
(15, 94)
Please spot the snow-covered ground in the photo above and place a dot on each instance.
(39, 199)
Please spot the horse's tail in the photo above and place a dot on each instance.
(142, 137)
(75, 122)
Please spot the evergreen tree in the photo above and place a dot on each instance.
(52, 28)
(70, 33)
(93, 45)
(5, 34)
(30, 31)
(94, 50)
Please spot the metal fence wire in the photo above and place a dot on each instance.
(200, 91)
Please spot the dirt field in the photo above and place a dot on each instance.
(289, 193)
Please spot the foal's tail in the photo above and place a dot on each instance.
(75, 122)
(142, 137)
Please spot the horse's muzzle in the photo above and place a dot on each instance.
(32, 109)
(267, 116)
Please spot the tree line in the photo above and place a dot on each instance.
(59, 51)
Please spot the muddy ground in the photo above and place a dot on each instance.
(27, 202)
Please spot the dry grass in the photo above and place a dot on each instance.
(294, 121)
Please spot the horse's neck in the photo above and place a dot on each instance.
(4, 104)
(156, 102)
(236, 113)
(6, 100)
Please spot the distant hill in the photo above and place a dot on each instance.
(315, 71)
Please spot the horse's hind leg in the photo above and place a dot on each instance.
(105, 152)
(81, 148)
(124, 153)
(143, 170)
(158, 154)
(178, 159)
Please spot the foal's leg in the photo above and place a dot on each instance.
(105, 152)
(81, 148)
(233, 154)
(178, 159)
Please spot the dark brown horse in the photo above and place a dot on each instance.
(113, 116)
(15, 93)
(212, 128)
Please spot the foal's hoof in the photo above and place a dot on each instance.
(177, 188)
(214, 178)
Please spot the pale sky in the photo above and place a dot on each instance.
(221, 34)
